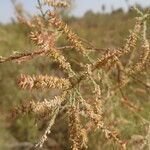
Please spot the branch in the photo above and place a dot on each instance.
(22, 57)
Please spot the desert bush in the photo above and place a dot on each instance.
(88, 88)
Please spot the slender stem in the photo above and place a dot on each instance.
(40, 8)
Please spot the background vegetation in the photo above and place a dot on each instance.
(103, 30)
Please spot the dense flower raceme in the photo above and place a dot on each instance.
(43, 82)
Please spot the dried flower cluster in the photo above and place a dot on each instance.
(71, 36)
(57, 4)
(43, 82)
(95, 76)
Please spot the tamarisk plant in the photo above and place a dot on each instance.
(85, 113)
